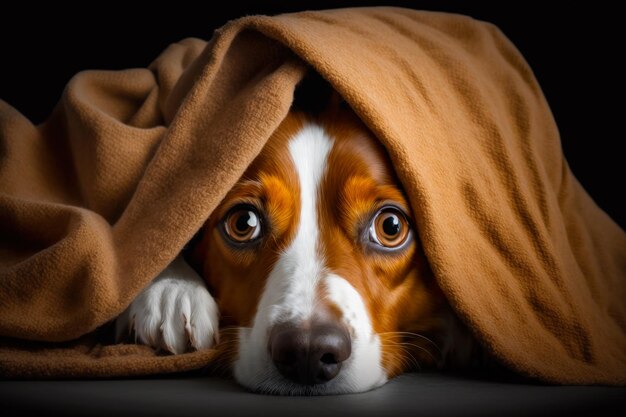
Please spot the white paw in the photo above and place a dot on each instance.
(175, 312)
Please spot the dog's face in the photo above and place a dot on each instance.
(316, 266)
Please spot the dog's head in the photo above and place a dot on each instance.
(316, 265)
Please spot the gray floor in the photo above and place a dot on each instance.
(411, 394)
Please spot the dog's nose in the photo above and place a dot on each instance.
(309, 356)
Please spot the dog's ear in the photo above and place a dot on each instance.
(312, 95)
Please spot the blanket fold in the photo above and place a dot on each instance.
(98, 199)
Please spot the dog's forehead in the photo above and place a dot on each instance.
(354, 151)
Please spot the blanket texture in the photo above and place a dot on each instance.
(97, 200)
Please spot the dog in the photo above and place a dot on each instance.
(309, 277)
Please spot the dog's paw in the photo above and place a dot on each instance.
(175, 312)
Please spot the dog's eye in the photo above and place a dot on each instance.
(242, 224)
(389, 228)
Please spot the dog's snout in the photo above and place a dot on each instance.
(311, 355)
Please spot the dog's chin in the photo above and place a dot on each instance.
(276, 384)
(282, 386)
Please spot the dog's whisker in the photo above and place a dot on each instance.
(411, 334)
(428, 352)
(404, 359)
(405, 346)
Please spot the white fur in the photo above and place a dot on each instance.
(363, 370)
(290, 294)
(174, 312)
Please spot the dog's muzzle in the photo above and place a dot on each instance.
(311, 354)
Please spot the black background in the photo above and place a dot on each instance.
(574, 51)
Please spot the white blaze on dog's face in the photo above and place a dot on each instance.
(313, 260)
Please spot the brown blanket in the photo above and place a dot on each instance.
(99, 198)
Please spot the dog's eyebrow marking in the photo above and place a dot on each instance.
(365, 189)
